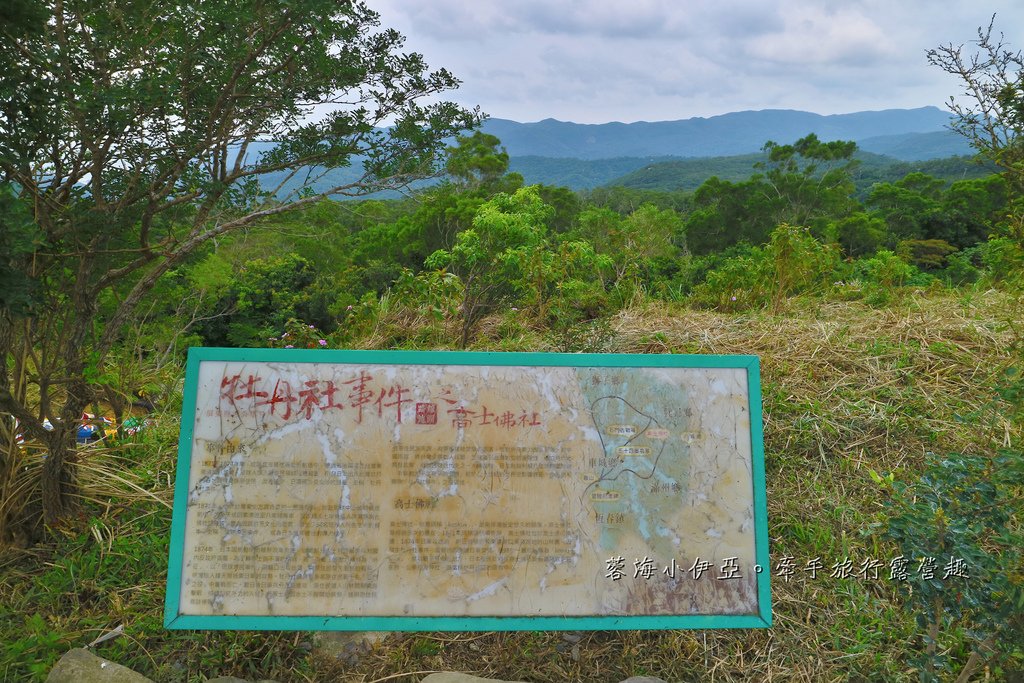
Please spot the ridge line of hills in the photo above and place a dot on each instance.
(681, 154)
(905, 134)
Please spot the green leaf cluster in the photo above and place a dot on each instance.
(792, 262)
(264, 295)
(19, 239)
(963, 516)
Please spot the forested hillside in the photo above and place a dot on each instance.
(564, 259)
(689, 174)
(661, 173)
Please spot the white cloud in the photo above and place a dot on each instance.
(601, 60)
(819, 37)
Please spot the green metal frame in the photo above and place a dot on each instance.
(196, 355)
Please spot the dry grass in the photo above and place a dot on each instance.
(866, 372)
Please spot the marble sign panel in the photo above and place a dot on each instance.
(427, 490)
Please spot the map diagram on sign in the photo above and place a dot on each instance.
(457, 490)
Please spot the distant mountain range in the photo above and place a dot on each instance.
(906, 134)
(584, 156)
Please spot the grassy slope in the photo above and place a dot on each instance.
(847, 388)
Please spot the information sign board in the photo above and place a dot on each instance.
(362, 490)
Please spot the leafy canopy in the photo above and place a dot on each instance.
(137, 133)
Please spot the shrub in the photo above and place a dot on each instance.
(884, 274)
(885, 269)
(740, 283)
(925, 254)
(962, 266)
(800, 262)
(792, 262)
(1004, 261)
(960, 526)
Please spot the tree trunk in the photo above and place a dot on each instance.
(59, 484)
(467, 324)
(975, 659)
(60, 492)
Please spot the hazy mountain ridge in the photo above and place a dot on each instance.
(730, 134)
(918, 146)
(585, 156)
(578, 174)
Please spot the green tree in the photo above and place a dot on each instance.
(809, 181)
(19, 238)
(566, 205)
(442, 214)
(478, 164)
(130, 129)
(726, 213)
(477, 160)
(973, 210)
(631, 242)
(500, 257)
(625, 200)
(860, 234)
(910, 206)
(264, 295)
(926, 254)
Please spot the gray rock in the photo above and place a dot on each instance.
(81, 666)
(348, 646)
(455, 677)
(642, 679)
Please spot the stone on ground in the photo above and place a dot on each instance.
(348, 646)
(81, 666)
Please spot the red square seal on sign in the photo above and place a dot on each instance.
(426, 413)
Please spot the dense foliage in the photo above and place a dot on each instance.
(133, 135)
(796, 225)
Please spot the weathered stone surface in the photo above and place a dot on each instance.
(456, 677)
(348, 646)
(642, 679)
(81, 666)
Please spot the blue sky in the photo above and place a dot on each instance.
(596, 61)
